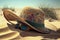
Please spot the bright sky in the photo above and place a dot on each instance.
(32, 3)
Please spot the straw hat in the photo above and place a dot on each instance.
(34, 17)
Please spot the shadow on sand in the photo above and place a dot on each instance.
(32, 33)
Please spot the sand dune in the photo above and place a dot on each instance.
(10, 33)
(5, 32)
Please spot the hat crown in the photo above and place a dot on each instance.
(34, 15)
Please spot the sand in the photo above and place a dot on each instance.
(8, 32)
